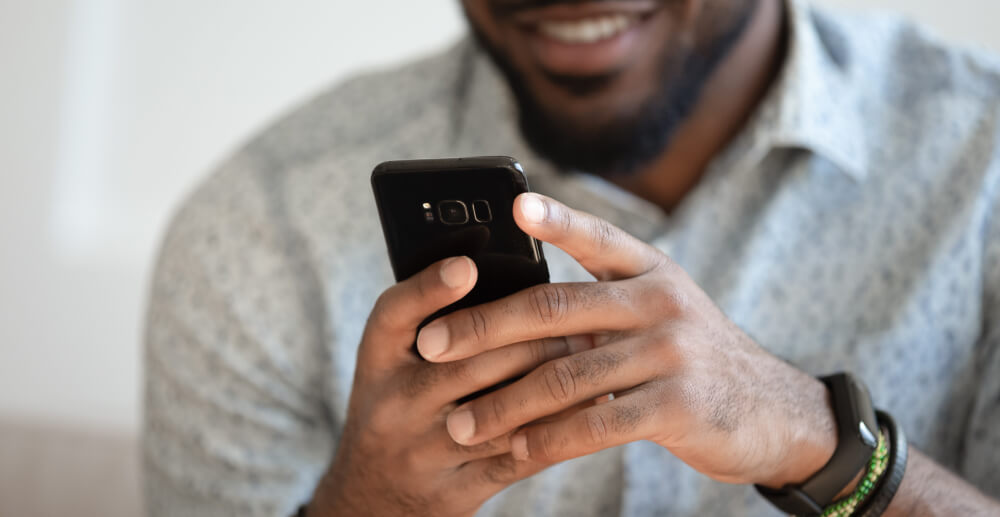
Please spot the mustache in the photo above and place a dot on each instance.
(511, 7)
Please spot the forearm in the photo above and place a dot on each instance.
(930, 489)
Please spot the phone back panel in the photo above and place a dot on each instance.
(421, 204)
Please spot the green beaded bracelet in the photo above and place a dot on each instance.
(876, 467)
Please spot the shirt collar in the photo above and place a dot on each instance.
(814, 105)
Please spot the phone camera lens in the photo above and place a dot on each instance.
(481, 211)
(453, 212)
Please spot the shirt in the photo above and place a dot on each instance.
(849, 226)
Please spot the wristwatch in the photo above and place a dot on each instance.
(857, 437)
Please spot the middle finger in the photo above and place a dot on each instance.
(441, 384)
(538, 312)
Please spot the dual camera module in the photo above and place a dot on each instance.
(454, 212)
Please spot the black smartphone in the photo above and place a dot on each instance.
(435, 209)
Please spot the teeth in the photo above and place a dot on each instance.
(587, 30)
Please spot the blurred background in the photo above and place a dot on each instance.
(110, 112)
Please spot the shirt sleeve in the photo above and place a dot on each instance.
(981, 458)
(235, 421)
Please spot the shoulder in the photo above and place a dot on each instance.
(919, 100)
(926, 67)
(890, 57)
(904, 60)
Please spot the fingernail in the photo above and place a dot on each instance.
(533, 209)
(519, 447)
(433, 340)
(461, 425)
(455, 272)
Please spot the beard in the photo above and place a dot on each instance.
(628, 141)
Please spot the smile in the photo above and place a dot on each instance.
(587, 30)
(584, 39)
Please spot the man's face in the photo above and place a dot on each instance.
(601, 85)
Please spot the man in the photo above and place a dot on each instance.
(765, 192)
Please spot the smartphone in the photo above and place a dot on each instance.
(434, 209)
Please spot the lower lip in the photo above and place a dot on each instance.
(585, 59)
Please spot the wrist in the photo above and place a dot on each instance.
(329, 499)
(810, 441)
(856, 444)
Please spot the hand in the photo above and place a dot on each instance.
(681, 373)
(395, 456)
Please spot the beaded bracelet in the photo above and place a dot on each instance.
(876, 467)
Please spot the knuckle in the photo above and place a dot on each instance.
(536, 351)
(498, 410)
(544, 350)
(617, 294)
(547, 446)
(549, 302)
(658, 350)
(477, 323)
(561, 347)
(381, 314)
(665, 299)
(560, 381)
(604, 234)
(594, 367)
(423, 285)
(383, 301)
(628, 418)
(666, 265)
(597, 428)
(565, 220)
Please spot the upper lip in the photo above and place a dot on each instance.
(578, 11)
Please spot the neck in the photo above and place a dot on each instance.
(728, 99)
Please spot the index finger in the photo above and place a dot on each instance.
(392, 326)
(604, 250)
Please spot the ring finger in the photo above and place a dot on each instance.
(547, 390)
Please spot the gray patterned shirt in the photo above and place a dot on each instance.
(850, 226)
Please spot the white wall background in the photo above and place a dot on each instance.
(110, 110)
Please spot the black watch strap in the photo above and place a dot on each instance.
(879, 501)
(857, 438)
